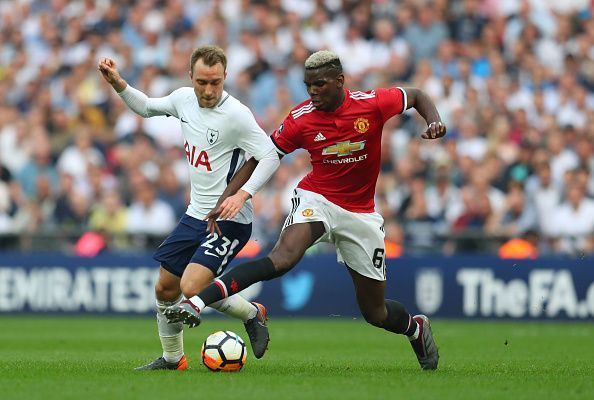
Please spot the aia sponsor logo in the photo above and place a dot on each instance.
(197, 157)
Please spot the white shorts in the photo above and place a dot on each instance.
(358, 237)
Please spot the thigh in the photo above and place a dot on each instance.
(294, 240)
(359, 239)
(370, 295)
(215, 251)
(308, 208)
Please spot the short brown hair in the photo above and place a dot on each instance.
(210, 55)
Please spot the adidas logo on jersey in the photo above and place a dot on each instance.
(319, 137)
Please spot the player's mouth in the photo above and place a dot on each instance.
(316, 102)
(207, 102)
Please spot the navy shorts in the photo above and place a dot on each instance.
(191, 243)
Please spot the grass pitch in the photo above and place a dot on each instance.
(93, 358)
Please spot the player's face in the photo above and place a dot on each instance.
(208, 83)
(324, 87)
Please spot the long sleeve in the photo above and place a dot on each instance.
(146, 106)
(266, 167)
(256, 143)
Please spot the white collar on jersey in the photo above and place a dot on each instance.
(224, 98)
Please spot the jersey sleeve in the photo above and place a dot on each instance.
(146, 106)
(391, 101)
(287, 137)
(165, 105)
(251, 137)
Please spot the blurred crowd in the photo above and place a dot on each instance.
(512, 79)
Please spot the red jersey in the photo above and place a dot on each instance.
(344, 145)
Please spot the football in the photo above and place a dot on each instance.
(224, 351)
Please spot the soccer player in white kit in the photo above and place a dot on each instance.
(218, 130)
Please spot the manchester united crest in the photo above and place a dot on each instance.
(361, 125)
(308, 212)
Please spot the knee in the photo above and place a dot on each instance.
(375, 317)
(166, 293)
(190, 288)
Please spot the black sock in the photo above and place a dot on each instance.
(237, 279)
(398, 319)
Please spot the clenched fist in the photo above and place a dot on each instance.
(435, 130)
(110, 73)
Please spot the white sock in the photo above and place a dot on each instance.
(236, 307)
(171, 335)
(197, 301)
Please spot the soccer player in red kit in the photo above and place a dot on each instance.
(334, 203)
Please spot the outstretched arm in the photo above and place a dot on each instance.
(134, 98)
(420, 101)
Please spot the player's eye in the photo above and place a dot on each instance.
(316, 84)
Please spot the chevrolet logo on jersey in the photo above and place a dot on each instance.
(343, 148)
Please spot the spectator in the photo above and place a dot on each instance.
(515, 217)
(171, 191)
(545, 196)
(109, 218)
(416, 220)
(574, 222)
(75, 158)
(426, 33)
(513, 81)
(148, 215)
(41, 164)
(467, 26)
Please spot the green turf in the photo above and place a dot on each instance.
(88, 358)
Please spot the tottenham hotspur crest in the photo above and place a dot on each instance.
(212, 136)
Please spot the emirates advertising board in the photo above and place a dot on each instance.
(446, 287)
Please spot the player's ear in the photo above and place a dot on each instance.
(190, 74)
(340, 80)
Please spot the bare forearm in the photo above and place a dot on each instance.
(119, 84)
(240, 178)
(423, 104)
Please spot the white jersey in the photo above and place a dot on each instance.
(215, 142)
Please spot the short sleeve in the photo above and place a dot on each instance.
(391, 101)
(287, 137)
